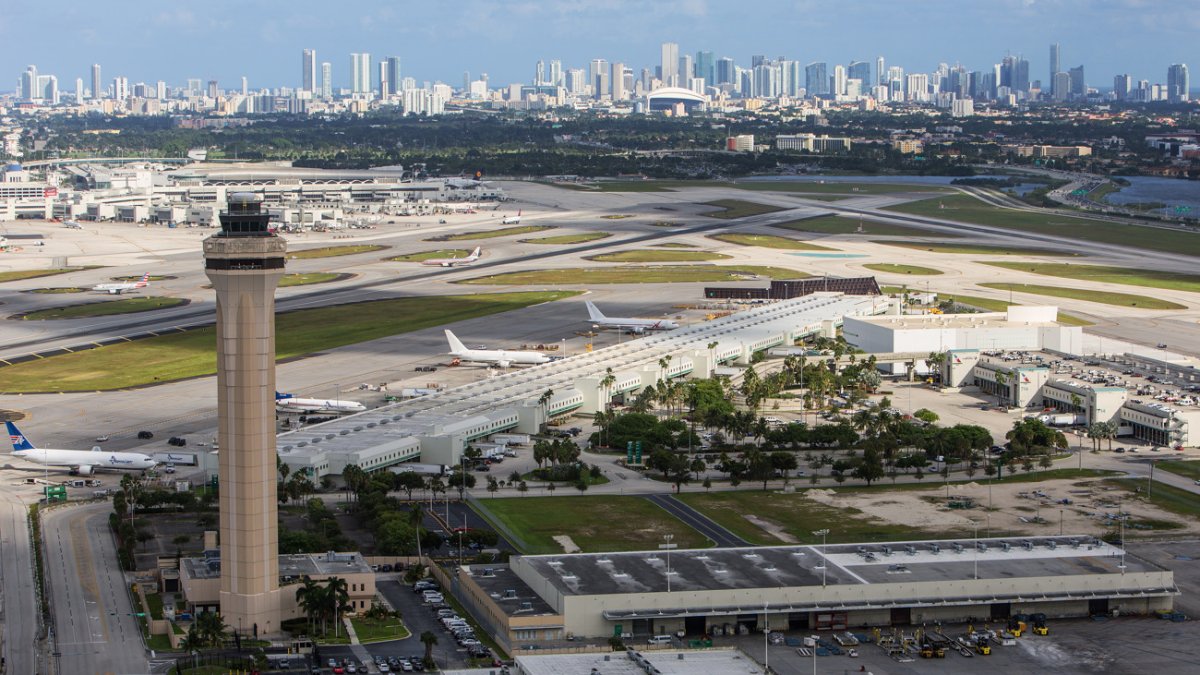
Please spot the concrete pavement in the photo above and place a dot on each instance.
(19, 623)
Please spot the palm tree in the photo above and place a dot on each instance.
(544, 402)
(1001, 386)
(429, 640)
(606, 384)
(309, 595)
(337, 600)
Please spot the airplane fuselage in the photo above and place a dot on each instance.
(318, 405)
(501, 357)
(122, 461)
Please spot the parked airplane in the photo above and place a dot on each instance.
(289, 403)
(72, 225)
(83, 462)
(451, 262)
(511, 220)
(122, 286)
(632, 325)
(498, 357)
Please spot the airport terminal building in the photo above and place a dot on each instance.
(838, 587)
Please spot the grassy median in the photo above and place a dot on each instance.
(896, 268)
(565, 239)
(333, 251)
(304, 279)
(845, 225)
(429, 255)
(649, 274)
(1102, 297)
(193, 353)
(109, 308)
(974, 249)
(492, 234)
(661, 255)
(738, 208)
(1172, 281)
(768, 241)
(18, 275)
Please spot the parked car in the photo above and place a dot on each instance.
(145, 435)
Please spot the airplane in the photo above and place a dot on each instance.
(289, 403)
(122, 286)
(451, 262)
(498, 357)
(82, 462)
(511, 220)
(631, 325)
(72, 225)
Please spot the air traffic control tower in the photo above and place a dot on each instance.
(244, 261)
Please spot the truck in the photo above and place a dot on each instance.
(511, 439)
(184, 458)
(1062, 419)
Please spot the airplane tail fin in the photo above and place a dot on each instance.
(456, 345)
(593, 313)
(144, 281)
(476, 252)
(280, 397)
(19, 442)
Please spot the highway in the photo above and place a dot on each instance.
(95, 631)
(19, 624)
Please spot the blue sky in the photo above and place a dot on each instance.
(438, 40)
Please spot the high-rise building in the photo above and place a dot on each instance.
(193, 87)
(245, 86)
(1078, 83)
(726, 71)
(837, 81)
(121, 88)
(326, 79)
(29, 83)
(670, 64)
(244, 262)
(880, 72)
(308, 70)
(97, 88)
(213, 92)
(556, 73)
(1055, 60)
(687, 69)
(1062, 86)
(78, 90)
(861, 71)
(598, 78)
(160, 90)
(706, 67)
(1178, 83)
(539, 73)
(393, 74)
(816, 79)
(385, 84)
(1122, 86)
(618, 82)
(1020, 78)
(360, 73)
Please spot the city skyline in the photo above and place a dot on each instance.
(506, 39)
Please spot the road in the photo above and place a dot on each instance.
(95, 631)
(699, 522)
(18, 611)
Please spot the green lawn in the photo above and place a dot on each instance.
(564, 239)
(138, 277)
(737, 208)
(994, 305)
(844, 225)
(967, 209)
(974, 249)
(1103, 297)
(333, 251)
(34, 274)
(1104, 274)
(492, 234)
(652, 256)
(594, 523)
(1166, 497)
(155, 605)
(108, 308)
(831, 190)
(192, 353)
(674, 244)
(895, 268)
(379, 630)
(59, 290)
(649, 274)
(304, 279)
(769, 241)
(1186, 468)
(426, 255)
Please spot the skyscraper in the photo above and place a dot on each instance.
(880, 73)
(687, 69)
(1122, 86)
(618, 82)
(1078, 84)
(726, 71)
(244, 262)
(1178, 83)
(326, 79)
(598, 78)
(308, 71)
(393, 74)
(539, 73)
(837, 84)
(97, 91)
(360, 73)
(1020, 81)
(78, 90)
(1055, 60)
(706, 67)
(556, 73)
(29, 84)
(816, 79)
(860, 70)
(670, 64)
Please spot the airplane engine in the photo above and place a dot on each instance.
(84, 470)
(503, 364)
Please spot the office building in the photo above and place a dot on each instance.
(326, 79)
(706, 67)
(598, 78)
(687, 70)
(1055, 60)
(618, 82)
(213, 92)
(861, 71)
(393, 74)
(1062, 86)
(1122, 86)
(308, 70)
(121, 88)
(79, 90)
(1177, 83)
(29, 83)
(1078, 84)
(97, 91)
(816, 79)
(360, 73)
(556, 73)
(244, 262)
(669, 65)
(726, 71)
(837, 82)
(539, 73)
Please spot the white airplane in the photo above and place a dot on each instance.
(83, 462)
(511, 220)
(498, 357)
(122, 286)
(289, 403)
(632, 325)
(451, 262)
(72, 225)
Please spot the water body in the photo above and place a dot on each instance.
(830, 255)
(1173, 192)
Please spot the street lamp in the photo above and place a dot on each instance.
(667, 547)
(976, 523)
(822, 534)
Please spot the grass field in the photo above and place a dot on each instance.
(973, 249)
(737, 208)
(379, 630)
(841, 225)
(109, 308)
(768, 241)
(1110, 275)
(60, 290)
(970, 210)
(304, 279)
(831, 191)
(994, 305)
(574, 276)
(658, 255)
(493, 234)
(333, 251)
(138, 277)
(674, 244)
(1186, 468)
(1103, 297)
(564, 239)
(34, 274)
(427, 255)
(192, 353)
(594, 523)
(1166, 497)
(896, 268)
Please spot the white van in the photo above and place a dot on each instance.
(659, 640)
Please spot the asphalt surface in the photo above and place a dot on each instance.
(722, 537)
(18, 611)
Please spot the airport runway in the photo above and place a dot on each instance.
(19, 623)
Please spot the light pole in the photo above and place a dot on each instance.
(976, 522)
(667, 546)
(822, 534)
(766, 638)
